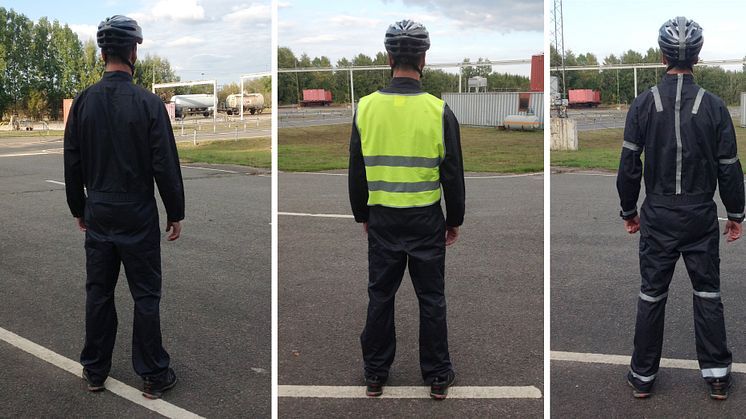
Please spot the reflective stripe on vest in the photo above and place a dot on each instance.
(402, 144)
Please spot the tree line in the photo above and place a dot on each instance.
(617, 86)
(435, 82)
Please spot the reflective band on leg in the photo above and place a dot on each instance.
(698, 100)
(728, 161)
(631, 146)
(643, 378)
(645, 297)
(677, 127)
(715, 372)
(705, 294)
(657, 97)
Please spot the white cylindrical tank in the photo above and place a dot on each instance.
(193, 101)
(250, 101)
(522, 122)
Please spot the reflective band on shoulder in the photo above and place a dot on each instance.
(705, 294)
(728, 161)
(677, 128)
(380, 185)
(400, 161)
(630, 212)
(645, 297)
(657, 97)
(644, 379)
(735, 215)
(698, 100)
(631, 146)
(715, 372)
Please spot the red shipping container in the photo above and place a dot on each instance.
(537, 73)
(583, 96)
(313, 95)
(328, 95)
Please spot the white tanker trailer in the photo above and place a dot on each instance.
(252, 102)
(193, 104)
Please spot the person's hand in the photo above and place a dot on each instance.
(365, 227)
(81, 223)
(632, 225)
(451, 235)
(175, 228)
(733, 230)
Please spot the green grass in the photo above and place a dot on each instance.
(484, 149)
(254, 152)
(601, 149)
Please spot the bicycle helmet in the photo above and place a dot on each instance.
(680, 40)
(407, 41)
(116, 36)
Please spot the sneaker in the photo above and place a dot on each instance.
(93, 386)
(154, 389)
(374, 386)
(439, 386)
(639, 391)
(719, 388)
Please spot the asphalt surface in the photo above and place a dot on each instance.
(595, 283)
(313, 116)
(215, 310)
(494, 288)
(589, 119)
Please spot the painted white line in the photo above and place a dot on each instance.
(115, 386)
(586, 174)
(503, 176)
(303, 214)
(409, 392)
(210, 169)
(590, 358)
(55, 182)
(35, 153)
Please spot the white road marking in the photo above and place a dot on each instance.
(303, 214)
(34, 153)
(586, 174)
(210, 169)
(590, 358)
(55, 182)
(115, 386)
(409, 392)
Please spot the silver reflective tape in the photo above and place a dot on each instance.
(402, 161)
(698, 100)
(631, 146)
(645, 297)
(657, 97)
(630, 212)
(643, 378)
(728, 161)
(379, 185)
(715, 372)
(735, 215)
(677, 127)
(682, 37)
(705, 294)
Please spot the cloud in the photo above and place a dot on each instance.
(185, 41)
(495, 15)
(255, 12)
(84, 32)
(283, 5)
(178, 10)
(354, 21)
(316, 39)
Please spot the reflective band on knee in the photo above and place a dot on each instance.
(705, 294)
(647, 379)
(715, 372)
(645, 297)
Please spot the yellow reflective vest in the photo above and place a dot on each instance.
(402, 144)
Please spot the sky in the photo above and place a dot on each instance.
(606, 27)
(222, 39)
(493, 29)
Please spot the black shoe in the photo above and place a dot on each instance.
(719, 388)
(374, 385)
(93, 386)
(639, 391)
(154, 389)
(439, 386)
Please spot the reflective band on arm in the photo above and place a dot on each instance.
(630, 212)
(631, 146)
(698, 100)
(650, 299)
(705, 294)
(657, 97)
(643, 378)
(735, 215)
(715, 372)
(728, 161)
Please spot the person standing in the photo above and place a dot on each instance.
(404, 147)
(690, 149)
(118, 139)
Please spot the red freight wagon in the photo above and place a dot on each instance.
(537, 73)
(583, 97)
(316, 97)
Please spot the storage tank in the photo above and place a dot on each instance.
(195, 103)
(253, 102)
(522, 122)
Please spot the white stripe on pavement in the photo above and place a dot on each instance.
(591, 358)
(210, 169)
(34, 153)
(56, 182)
(115, 386)
(409, 392)
(303, 214)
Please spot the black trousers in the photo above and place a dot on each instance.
(121, 231)
(397, 238)
(668, 229)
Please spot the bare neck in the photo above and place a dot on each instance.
(406, 72)
(118, 67)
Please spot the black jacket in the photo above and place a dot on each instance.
(451, 168)
(118, 138)
(686, 155)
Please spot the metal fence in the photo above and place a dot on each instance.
(490, 109)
